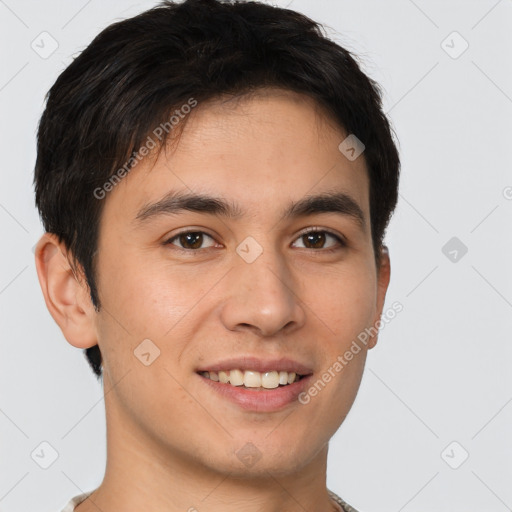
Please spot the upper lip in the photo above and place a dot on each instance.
(257, 364)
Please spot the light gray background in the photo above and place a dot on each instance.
(440, 372)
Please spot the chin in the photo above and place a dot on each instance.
(263, 457)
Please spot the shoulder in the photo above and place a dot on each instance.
(344, 505)
(70, 507)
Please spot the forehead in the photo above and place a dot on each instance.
(260, 150)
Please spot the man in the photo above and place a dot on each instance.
(215, 181)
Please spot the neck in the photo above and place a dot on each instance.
(141, 474)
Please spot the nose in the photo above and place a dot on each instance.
(263, 297)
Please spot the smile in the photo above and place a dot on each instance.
(247, 390)
(251, 379)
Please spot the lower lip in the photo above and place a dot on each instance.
(268, 400)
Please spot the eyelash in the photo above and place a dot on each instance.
(338, 238)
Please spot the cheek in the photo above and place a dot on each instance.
(142, 338)
(344, 301)
(149, 296)
(144, 299)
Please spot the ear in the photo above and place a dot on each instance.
(66, 298)
(383, 276)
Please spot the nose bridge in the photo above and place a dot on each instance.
(263, 290)
(267, 274)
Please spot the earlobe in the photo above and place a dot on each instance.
(65, 297)
(383, 277)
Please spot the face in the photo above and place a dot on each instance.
(245, 282)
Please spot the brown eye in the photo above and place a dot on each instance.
(316, 239)
(189, 240)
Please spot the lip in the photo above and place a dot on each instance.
(257, 364)
(269, 400)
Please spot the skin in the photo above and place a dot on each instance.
(171, 440)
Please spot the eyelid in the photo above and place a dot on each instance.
(313, 229)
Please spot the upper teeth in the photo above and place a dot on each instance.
(253, 379)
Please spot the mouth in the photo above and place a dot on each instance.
(253, 380)
(253, 391)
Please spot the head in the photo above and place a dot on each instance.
(178, 143)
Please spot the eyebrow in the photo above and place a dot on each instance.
(176, 202)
